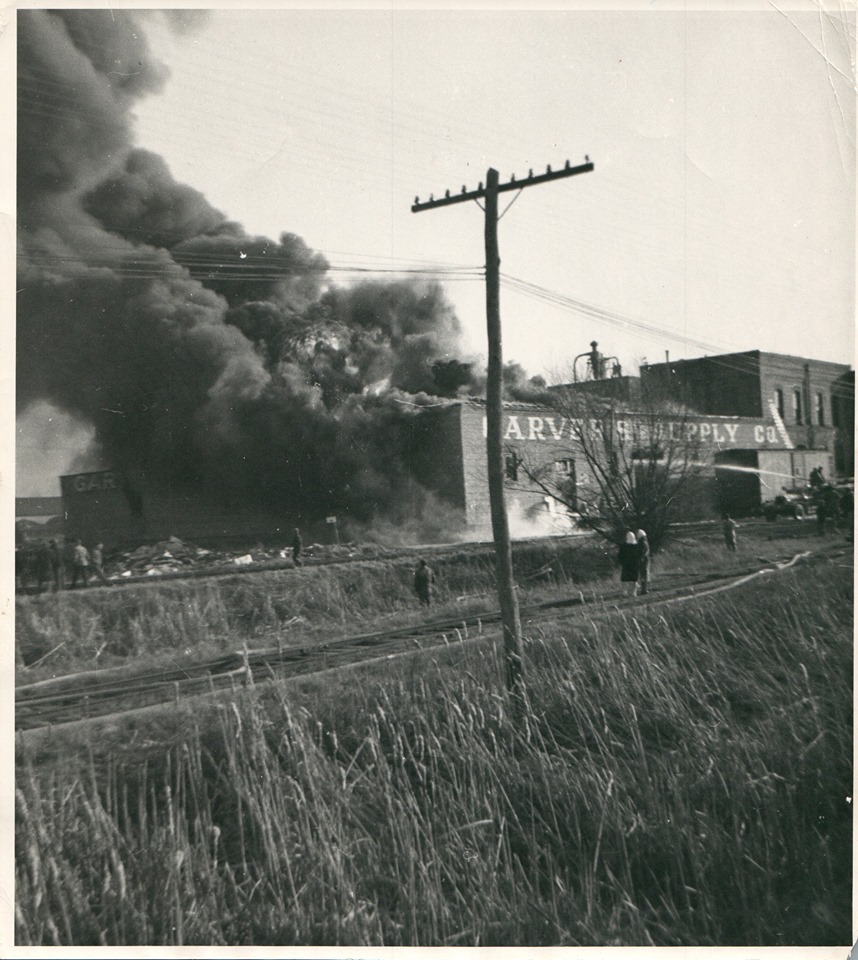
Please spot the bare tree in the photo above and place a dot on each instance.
(627, 464)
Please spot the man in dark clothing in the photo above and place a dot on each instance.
(297, 547)
(847, 510)
(58, 566)
(816, 478)
(424, 581)
(821, 516)
(42, 566)
(832, 505)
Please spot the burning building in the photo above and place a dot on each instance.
(743, 460)
(224, 379)
(216, 372)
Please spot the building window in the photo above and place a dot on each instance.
(566, 478)
(779, 402)
(820, 409)
(796, 405)
(512, 463)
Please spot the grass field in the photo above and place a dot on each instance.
(89, 629)
(165, 623)
(678, 775)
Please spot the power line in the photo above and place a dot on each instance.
(648, 330)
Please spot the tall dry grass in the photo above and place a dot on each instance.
(85, 630)
(674, 778)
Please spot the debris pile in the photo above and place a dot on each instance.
(173, 556)
(167, 556)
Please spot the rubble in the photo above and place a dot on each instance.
(174, 556)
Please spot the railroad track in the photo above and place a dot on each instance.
(85, 696)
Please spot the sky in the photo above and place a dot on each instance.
(720, 214)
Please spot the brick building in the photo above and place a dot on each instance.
(747, 460)
(110, 507)
(808, 396)
(763, 422)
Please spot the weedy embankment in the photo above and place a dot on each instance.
(676, 777)
(90, 629)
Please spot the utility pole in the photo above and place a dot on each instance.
(510, 618)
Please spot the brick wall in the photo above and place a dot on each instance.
(538, 438)
(778, 371)
(726, 385)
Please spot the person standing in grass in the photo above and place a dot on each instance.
(297, 548)
(628, 559)
(42, 566)
(80, 564)
(642, 585)
(729, 527)
(832, 506)
(424, 581)
(97, 563)
(847, 510)
(58, 566)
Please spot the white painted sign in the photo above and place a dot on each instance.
(741, 435)
(89, 482)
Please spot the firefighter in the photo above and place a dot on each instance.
(297, 547)
(424, 581)
(729, 526)
(817, 481)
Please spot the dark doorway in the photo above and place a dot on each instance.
(737, 482)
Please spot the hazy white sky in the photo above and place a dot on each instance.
(720, 215)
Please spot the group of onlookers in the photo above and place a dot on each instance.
(55, 564)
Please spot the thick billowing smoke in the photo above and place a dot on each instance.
(203, 358)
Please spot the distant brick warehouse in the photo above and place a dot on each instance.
(809, 396)
(108, 506)
(747, 460)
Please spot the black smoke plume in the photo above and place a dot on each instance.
(205, 359)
